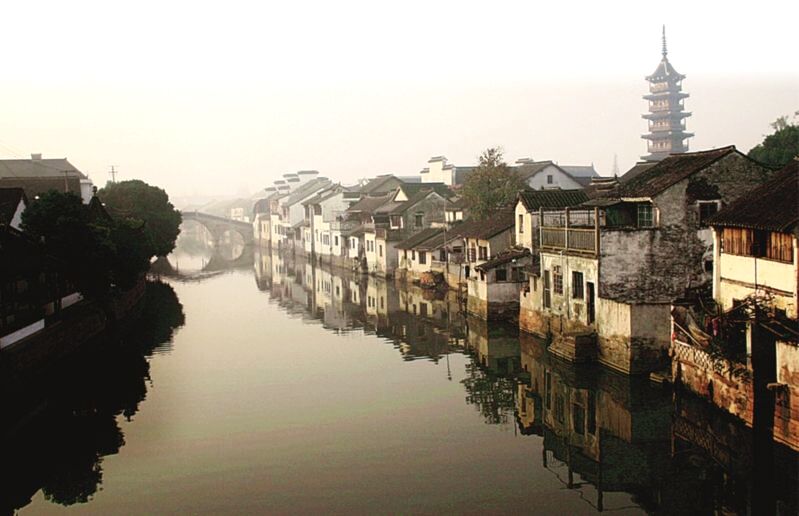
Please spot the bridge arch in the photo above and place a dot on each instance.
(217, 226)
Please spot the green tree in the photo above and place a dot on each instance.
(64, 226)
(492, 185)
(138, 201)
(780, 147)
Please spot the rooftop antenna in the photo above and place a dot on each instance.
(615, 165)
(113, 173)
(665, 52)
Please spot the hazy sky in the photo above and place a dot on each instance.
(215, 98)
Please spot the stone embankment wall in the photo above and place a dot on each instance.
(67, 333)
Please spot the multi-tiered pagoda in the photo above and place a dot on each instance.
(666, 116)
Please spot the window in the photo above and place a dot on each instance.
(780, 247)
(557, 279)
(418, 220)
(442, 255)
(396, 221)
(736, 241)
(413, 254)
(482, 275)
(762, 244)
(706, 210)
(335, 241)
(472, 254)
(646, 217)
(380, 249)
(501, 275)
(423, 309)
(577, 285)
(521, 223)
(550, 179)
(422, 257)
(483, 252)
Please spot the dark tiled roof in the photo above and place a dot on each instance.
(370, 203)
(504, 257)
(444, 237)
(535, 199)
(9, 201)
(418, 238)
(462, 173)
(665, 71)
(414, 199)
(457, 205)
(638, 168)
(307, 189)
(529, 169)
(323, 195)
(670, 171)
(485, 229)
(578, 171)
(411, 189)
(353, 231)
(381, 184)
(773, 206)
(39, 168)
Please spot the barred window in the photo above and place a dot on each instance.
(646, 218)
(557, 279)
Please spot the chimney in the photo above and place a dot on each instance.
(36, 157)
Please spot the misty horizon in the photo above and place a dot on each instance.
(208, 102)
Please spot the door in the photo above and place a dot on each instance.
(547, 293)
(591, 302)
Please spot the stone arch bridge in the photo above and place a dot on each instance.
(218, 225)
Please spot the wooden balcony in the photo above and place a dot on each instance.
(575, 232)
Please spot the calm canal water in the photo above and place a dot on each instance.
(288, 388)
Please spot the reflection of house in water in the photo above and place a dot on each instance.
(496, 345)
(605, 432)
(427, 323)
(610, 430)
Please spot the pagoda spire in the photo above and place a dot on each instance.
(665, 52)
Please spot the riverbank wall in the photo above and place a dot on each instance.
(68, 332)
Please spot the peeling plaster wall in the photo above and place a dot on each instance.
(656, 265)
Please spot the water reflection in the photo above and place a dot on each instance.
(607, 442)
(58, 429)
(197, 255)
(619, 443)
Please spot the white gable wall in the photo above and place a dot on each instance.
(559, 179)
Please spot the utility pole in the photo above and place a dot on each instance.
(113, 173)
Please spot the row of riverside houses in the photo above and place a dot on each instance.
(374, 226)
(606, 269)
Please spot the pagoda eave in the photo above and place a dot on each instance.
(665, 78)
(665, 95)
(666, 135)
(666, 114)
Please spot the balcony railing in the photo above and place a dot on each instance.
(569, 239)
(576, 231)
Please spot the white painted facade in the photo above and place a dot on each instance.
(737, 277)
(551, 177)
(438, 171)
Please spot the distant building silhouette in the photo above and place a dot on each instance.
(666, 116)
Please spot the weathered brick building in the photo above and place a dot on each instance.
(610, 270)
